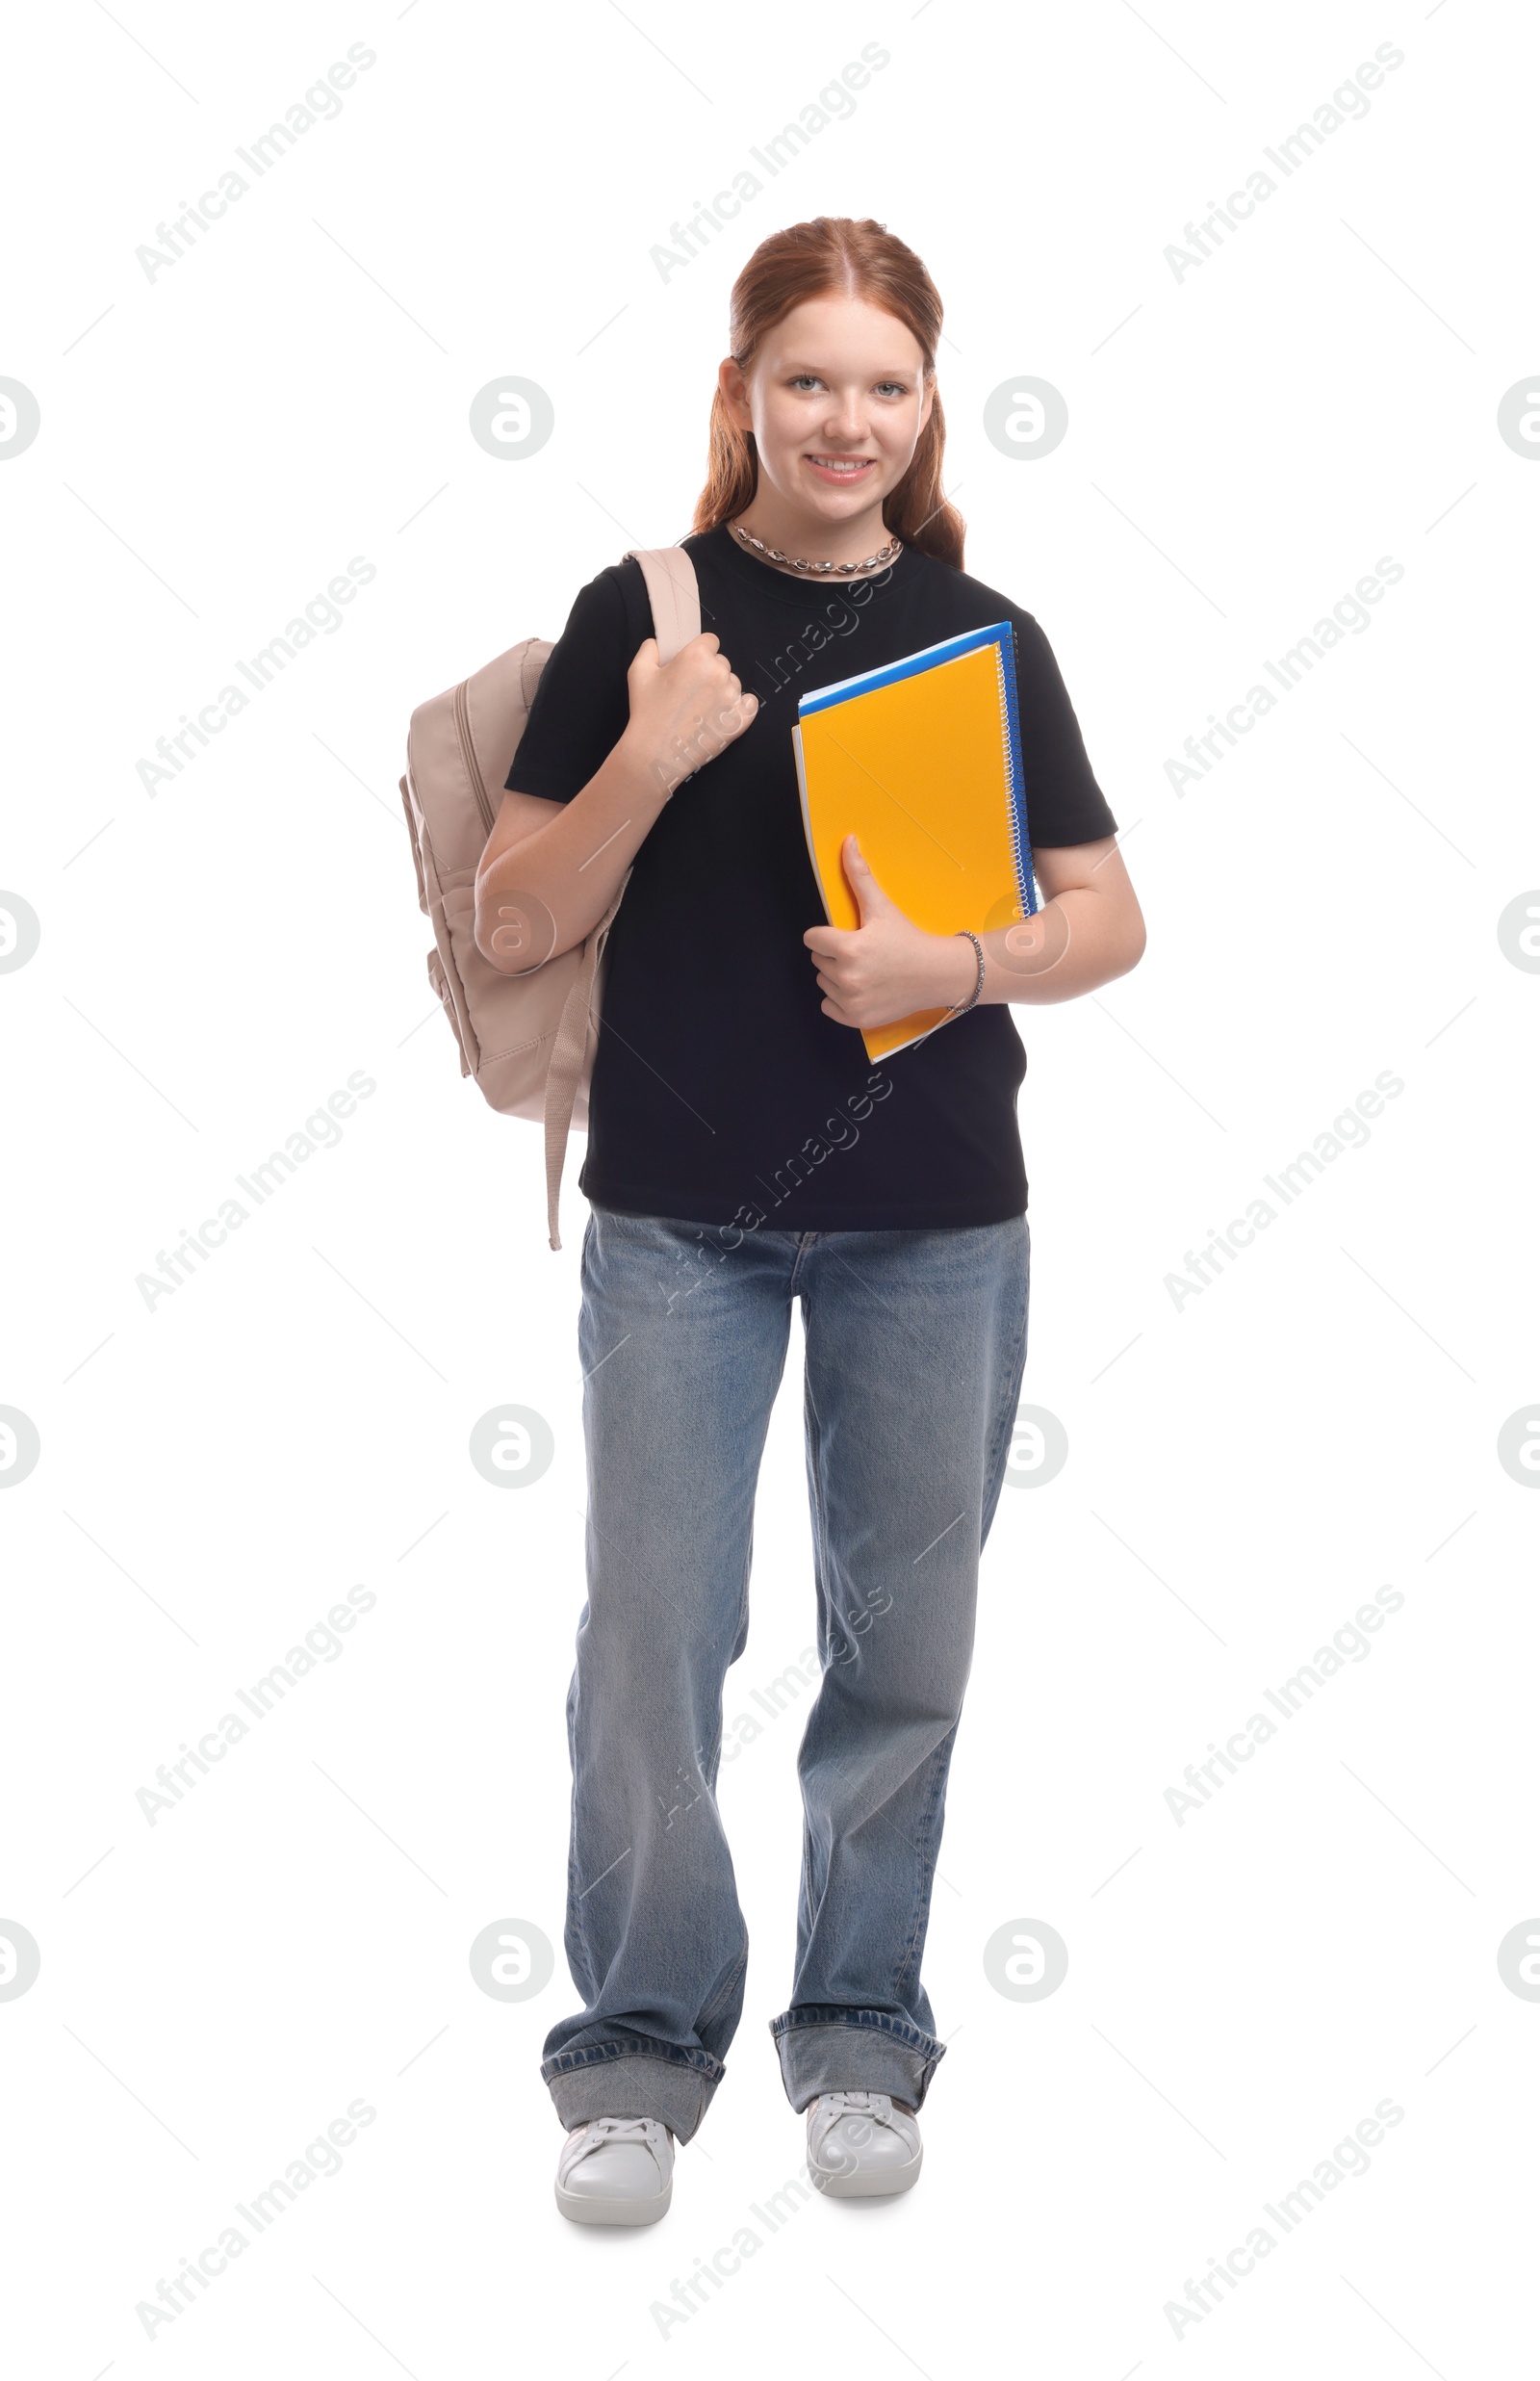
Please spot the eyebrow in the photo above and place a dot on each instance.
(897, 372)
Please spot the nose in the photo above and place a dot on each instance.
(846, 421)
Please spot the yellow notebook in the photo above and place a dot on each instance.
(921, 759)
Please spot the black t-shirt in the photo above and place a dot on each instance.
(721, 1094)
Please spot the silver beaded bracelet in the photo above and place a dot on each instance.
(961, 1008)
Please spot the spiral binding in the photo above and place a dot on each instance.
(1020, 847)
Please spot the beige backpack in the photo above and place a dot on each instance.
(529, 1039)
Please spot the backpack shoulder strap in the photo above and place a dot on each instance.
(673, 594)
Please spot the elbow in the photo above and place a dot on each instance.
(513, 929)
(1134, 937)
(1128, 945)
(483, 925)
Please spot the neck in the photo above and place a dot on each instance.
(770, 517)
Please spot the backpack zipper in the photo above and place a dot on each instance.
(473, 768)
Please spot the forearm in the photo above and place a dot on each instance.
(1073, 945)
(1090, 930)
(546, 893)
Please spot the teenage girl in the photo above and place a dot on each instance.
(743, 1153)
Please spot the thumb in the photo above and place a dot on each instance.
(870, 898)
(644, 661)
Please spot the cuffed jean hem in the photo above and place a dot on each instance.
(854, 2050)
(614, 2081)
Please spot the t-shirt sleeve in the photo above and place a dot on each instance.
(1064, 804)
(582, 705)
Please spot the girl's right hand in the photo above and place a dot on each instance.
(684, 712)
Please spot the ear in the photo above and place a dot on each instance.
(928, 398)
(734, 389)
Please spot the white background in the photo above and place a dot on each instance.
(1244, 1470)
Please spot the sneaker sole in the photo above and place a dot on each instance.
(868, 2183)
(585, 2208)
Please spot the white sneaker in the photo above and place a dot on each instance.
(861, 2145)
(616, 2170)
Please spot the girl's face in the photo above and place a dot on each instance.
(836, 399)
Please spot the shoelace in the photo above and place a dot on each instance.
(646, 2130)
(878, 2106)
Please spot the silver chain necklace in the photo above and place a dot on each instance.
(773, 554)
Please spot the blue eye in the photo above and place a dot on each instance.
(811, 379)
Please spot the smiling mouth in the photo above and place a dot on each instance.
(841, 466)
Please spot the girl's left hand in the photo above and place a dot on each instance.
(886, 966)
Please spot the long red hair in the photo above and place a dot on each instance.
(833, 255)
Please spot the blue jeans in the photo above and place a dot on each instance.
(915, 1343)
